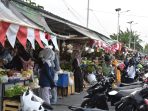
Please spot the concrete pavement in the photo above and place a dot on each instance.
(74, 100)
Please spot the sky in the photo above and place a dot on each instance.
(102, 15)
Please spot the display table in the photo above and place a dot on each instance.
(9, 84)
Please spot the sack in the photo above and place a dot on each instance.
(70, 81)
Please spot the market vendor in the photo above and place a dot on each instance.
(5, 55)
(21, 59)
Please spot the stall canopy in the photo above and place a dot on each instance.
(59, 27)
(22, 10)
(13, 27)
(75, 31)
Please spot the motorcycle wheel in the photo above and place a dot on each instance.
(87, 104)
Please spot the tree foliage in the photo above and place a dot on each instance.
(125, 36)
(146, 48)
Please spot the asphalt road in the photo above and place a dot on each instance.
(74, 100)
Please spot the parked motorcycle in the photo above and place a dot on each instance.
(96, 97)
(116, 94)
(136, 101)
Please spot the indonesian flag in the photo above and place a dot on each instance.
(22, 33)
(3, 29)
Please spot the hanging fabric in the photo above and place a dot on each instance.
(11, 34)
(54, 41)
(22, 35)
(37, 38)
(43, 39)
(31, 37)
(3, 29)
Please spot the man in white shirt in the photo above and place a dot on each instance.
(131, 71)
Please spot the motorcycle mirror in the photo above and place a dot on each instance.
(113, 92)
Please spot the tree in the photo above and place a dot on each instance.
(124, 37)
(146, 48)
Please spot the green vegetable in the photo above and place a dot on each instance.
(15, 91)
(90, 68)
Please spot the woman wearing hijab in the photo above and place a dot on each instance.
(46, 78)
(78, 77)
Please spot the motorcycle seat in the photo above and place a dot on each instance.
(128, 87)
(127, 92)
(128, 84)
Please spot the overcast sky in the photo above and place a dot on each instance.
(103, 17)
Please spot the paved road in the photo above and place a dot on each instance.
(71, 100)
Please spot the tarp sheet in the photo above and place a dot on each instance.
(8, 16)
(30, 14)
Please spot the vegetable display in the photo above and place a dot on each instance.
(15, 91)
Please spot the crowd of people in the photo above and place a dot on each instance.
(123, 69)
(18, 58)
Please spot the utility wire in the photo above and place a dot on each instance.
(100, 22)
(142, 16)
(74, 10)
(70, 10)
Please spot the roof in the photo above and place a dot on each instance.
(7, 15)
(61, 26)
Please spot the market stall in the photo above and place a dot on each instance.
(19, 34)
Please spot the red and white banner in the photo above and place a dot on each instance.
(22, 33)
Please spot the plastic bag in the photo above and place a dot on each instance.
(56, 76)
(91, 78)
(70, 81)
